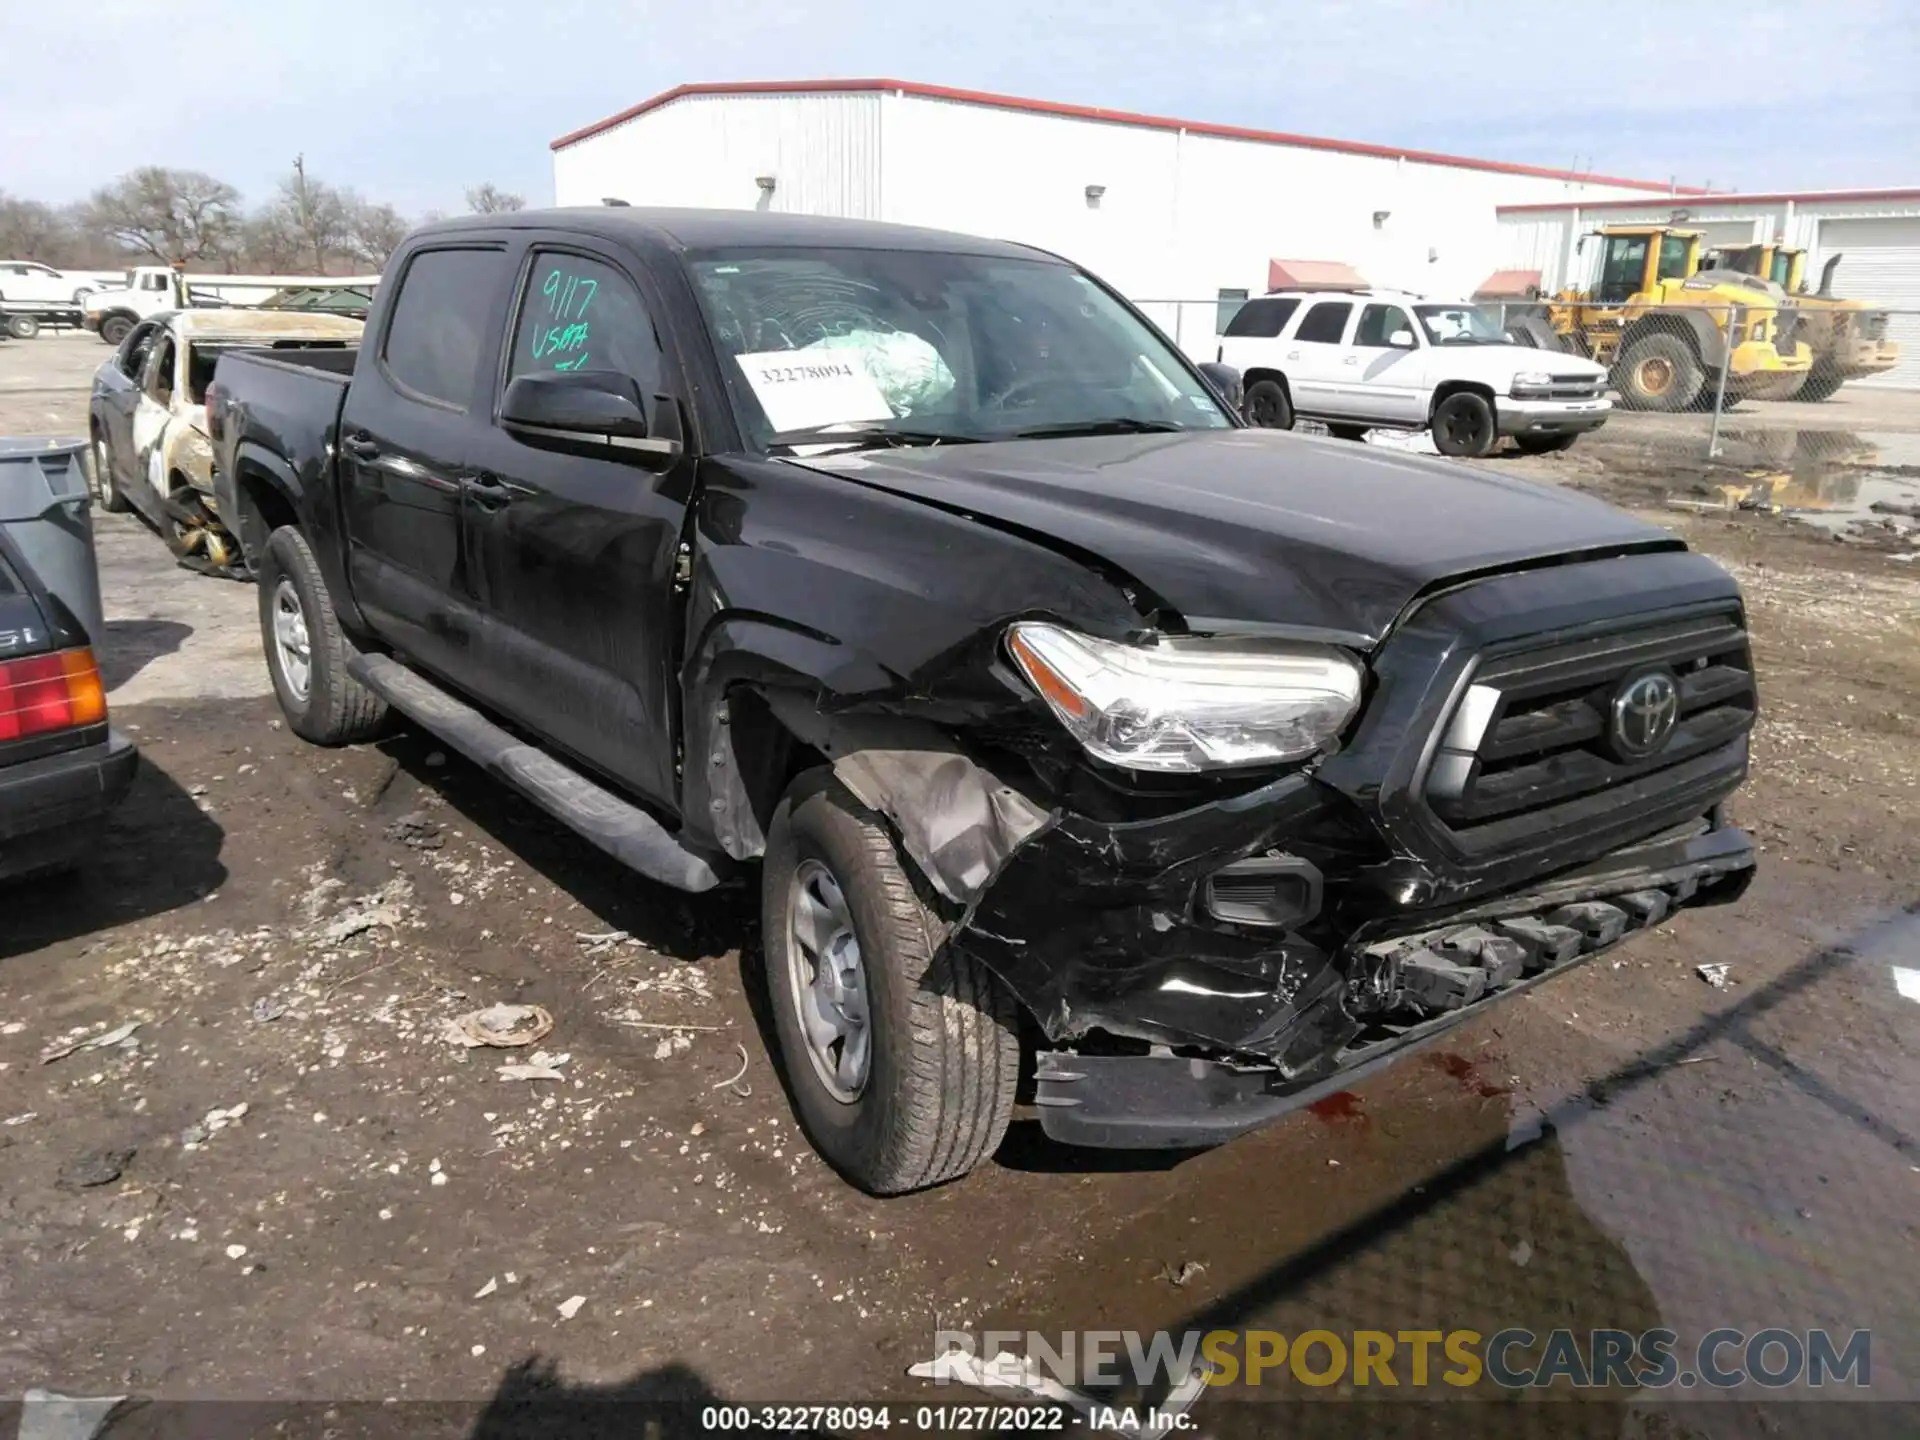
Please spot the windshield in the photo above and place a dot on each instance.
(1462, 324)
(927, 346)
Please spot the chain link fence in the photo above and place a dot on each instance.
(1709, 362)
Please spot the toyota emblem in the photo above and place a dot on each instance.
(1645, 709)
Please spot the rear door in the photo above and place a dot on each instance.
(576, 541)
(1386, 369)
(1312, 357)
(405, 437)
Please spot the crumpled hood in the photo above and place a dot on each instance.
(1258, 527)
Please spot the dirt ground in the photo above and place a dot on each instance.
(319, 1197)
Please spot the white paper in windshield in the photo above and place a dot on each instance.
(798, 388)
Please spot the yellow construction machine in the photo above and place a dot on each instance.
(1666, 331)
(1849, 337)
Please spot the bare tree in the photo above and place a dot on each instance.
(321, 215)
(490, 199)
(173, 215)
(34, 230)
(377, 233)
(269, 241)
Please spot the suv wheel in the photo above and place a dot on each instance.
(901, 1055)
(1463, 426)
(306, 652)
(111, 499)
(1268, 406)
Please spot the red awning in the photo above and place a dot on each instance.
(1509, 285)
(1313, 275)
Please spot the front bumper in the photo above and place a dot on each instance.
(1551, 417)
(1162, 1100)
(91, 321)
(52, 807)
(1760, 372)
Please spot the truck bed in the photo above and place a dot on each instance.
(284, 404)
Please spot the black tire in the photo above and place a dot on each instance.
(22, 327)
(1659, 372)
(1818, 387)
(108, 493)
(114, 329)
(1544, 444)
(332, 708)
(1347, 432)
(1268, 405)
(943, 1049)
(1463, 426)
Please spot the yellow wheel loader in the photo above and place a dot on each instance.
(1666, 332)
(1848, 337)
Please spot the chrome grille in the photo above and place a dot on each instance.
(1533, 743)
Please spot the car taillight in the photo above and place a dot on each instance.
(61, 691)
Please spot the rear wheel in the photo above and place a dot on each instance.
(1463, 426)
(901, 1053)
(1660, 372)
(22, 327)
(1347, 432)
(1544, 444)
(1268, 405)
(307, 653)
(114, 329)
(110, 497)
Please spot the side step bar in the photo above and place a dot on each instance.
(624, 831)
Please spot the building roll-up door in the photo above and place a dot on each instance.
(1882, 267)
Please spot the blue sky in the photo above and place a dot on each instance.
(412, 100)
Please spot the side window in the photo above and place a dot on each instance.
(582, 314)
(439, 323)
(1325, 323)
(1620, 271)
(160, 370)
(1226, 306)
(1263, 319)
(134, 356)
(1673, 257)
(1379, 324)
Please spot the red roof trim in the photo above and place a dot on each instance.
(1722, 197)
(1116, 117)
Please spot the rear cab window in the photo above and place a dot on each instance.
(1262, 319)
(440, 327)
(1324, 323)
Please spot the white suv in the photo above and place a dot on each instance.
(1357, 359)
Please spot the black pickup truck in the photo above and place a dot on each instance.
(1062, 715)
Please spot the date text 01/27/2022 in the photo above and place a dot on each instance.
(932, 1419)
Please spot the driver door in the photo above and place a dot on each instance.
(1387, 367)
(116, 393)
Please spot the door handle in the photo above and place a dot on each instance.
(487, 489)
(1293, 354)
(1351, 360)
(361, 447)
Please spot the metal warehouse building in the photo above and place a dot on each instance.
(1876, 231)
(1165, 210)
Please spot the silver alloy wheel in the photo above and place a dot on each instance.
(828, 981)
(292, 645)
(103, 469)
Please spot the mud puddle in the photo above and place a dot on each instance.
(1861, 486)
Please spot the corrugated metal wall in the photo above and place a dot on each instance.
(823, 152)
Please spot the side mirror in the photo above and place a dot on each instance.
(578, 403)
(1225, 381)
(1401, 340)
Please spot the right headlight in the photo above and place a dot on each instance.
(1189, 704)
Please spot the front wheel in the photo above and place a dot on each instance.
(114, 329)
(111, 500)
(1660, 372)
(1463, 426)
(306, 652)
(901, 1053)
(1267, 405)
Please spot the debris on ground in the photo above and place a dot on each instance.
(385, 909)
(268, 1008)
(570, 1307)
(600, 943)
(733, 1081)
(1521, 1253)
(1181, 1274)
(538, 1066)
(418, 831)
(115, 1036)
(493, 1284)
(47, 1415)
(1714, 974)
(94, 1168)
(505, 1027)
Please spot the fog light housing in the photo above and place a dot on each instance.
(1269, 892)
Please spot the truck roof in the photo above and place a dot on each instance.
(717, 229)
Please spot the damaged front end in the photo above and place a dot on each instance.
(1537, 771)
